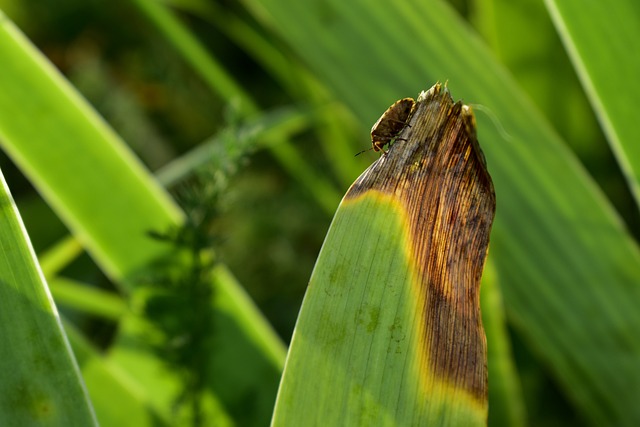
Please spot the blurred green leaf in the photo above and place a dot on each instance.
(79, 165)
(333, 121)
(83, 297)
(40, 382)
(110, 387)
(507, 406)
(599, 37)
(268, 127)
(54, 259)
(211, 70)
(243, 384)
(522, 37)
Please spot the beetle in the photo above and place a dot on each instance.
(391, 123)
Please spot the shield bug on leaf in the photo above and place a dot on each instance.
(391, 123)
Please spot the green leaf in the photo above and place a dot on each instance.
(110, 387)
(332, 124)
(212, 71)
(40, 383)
(507, 26)
(507, 406)
(354, 354)
(567, 265)
(87, 299)
(110, 202)
(79, 165)
(600, 37)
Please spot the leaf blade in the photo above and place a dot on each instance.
(597, 37)
(41, 383)
(71, 141)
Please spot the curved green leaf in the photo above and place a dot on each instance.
(507, 406)
(110, 387)
(601, 38)
(40, 383)
(79, 165)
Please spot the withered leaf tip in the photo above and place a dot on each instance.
(439, 176)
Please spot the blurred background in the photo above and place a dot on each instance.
(274, 79)
(142, 86)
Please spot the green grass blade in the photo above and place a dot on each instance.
(213, 73)
(232, 299)
(61, 254)
(507, 406)
(110, 387)
(507, 27)
(120, 398)
(77, 162)
(87, 299)
(601, 38)
(278, 124)
(40, 382)
(568, 266)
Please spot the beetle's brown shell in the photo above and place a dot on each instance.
(391, 123)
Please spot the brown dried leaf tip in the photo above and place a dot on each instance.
(439, 176)
(391, 123)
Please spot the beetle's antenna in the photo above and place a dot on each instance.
(363, 151)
